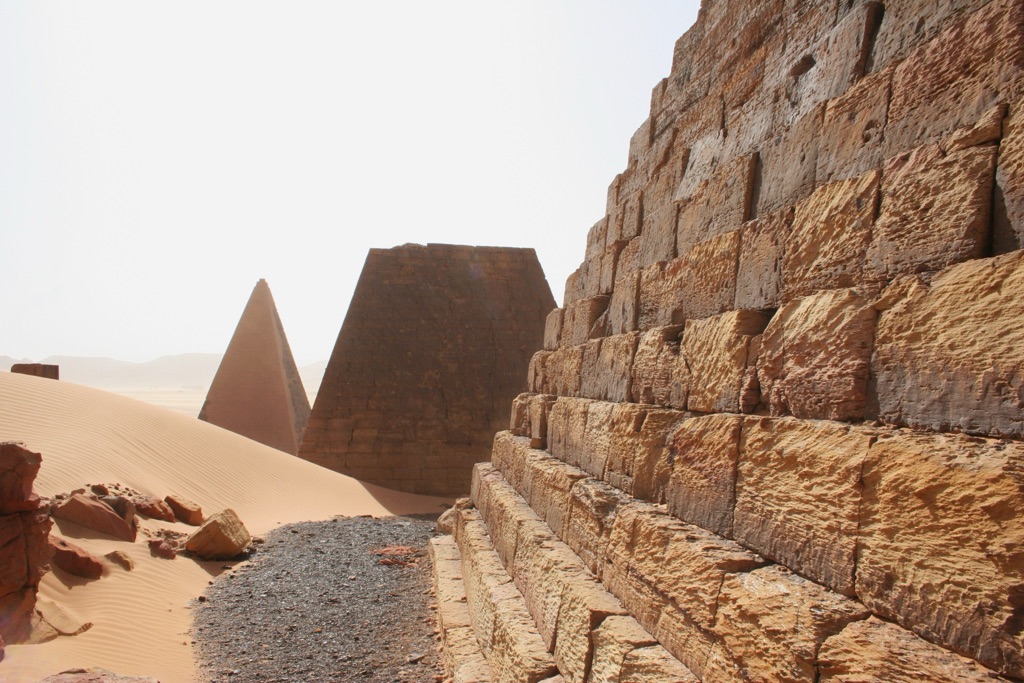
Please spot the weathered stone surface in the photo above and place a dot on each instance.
(717, 352)
(703, 453)
(637, 461)
(61, 619)
(462, 656)
(567, 426)
(788, 164)
(953, 79)
(592, 507)
(95, 675)
(876, 651)
(584, 605)
(151, 506)
(74, 559)
(95, 515)
(815, 356)
(773, 622)
(530, 417)
(24, 551)
(654, 665)
(910, 23)
(798, 496)
(557, 372)
(941, 545)
(1009, 191)
(546, 488)
(553, 329)
(221, 537)
(615, 638)
(579, 319)
(606, 370)
(759, 272)
(18, 469)
(709, 271)
(184, 509)
(623, 308)
(852, 131)
(657, 377)
(936, 211)
(436, 343)
(830, 236)
(718, 204)
(121, 559)
(257, 391)
(122, 506)
(948, 354)
(659, 295)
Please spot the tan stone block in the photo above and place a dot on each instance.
(773, 622)
(759, 271)
(788, 163)
(657, 241)
(716, 351)
(949, 354)
(654, 665)
(553, 329)
(548, 489)
(655, 378)
(659, 295)
(567, 425)
(597, 238)
(936, 211)
(463, 660)
(815, 356)
(584, 606)
(637, 461)
(718, 204)
(559, 371)
(941, 547)
(580, 317)
(830, 235)
(508, 456)
(703, 452)
(607, 367)
(874, 650)
(1009, 191)
(798, 496)
(591, 507)
(953, 79)
(708, 270)
(622, 308)
(911, 23)
(536, 373)
(518, 655)
(852, 130)
(609, 262)
(614, 639)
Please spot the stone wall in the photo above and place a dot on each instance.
(434, 347)
(24, 550)
(37, 370)
(777, 429)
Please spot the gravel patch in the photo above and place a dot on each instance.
(344, 600)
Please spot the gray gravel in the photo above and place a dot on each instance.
(316, 604)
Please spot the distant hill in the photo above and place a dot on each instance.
(185, 371)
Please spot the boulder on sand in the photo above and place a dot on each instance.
(95, 515)
(185, 510)
(221, 537)
(75, 560)
(153, 507)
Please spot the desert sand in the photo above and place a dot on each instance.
(142, 617)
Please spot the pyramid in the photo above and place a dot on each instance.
(257, 391)
(435, 345)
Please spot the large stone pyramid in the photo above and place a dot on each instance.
(257, 391)
(435, 345)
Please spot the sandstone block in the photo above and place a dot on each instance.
(815, 356)
(95, 515)
(948, 354)
(151, 506)
(936, 211)
(563, 371)
(60, 619)
(592, 506)
(759, 272)
(221, 537)
(18, 469)
(798, 496)
(831, 231)
(607, 367)
(553, 329)
(509, 457)
(659, 297)
(874, 650)
(547, 489)
(911, 23)
(637, 461)
(121, 559)
(719, 203)
(717, 352)
(655, 377)
(74, 559)
(703, 454)
(615, 638)
(708, 270)
(185, 510)
(788, 164)
(941, 538)
(518, 656)
(584, 606)
(580, 317)
(772, 623)
(953, 79)
(852, 130)
(654, 665)
(567, 424)
(1009, 190)
(622, 308)
(530, 417)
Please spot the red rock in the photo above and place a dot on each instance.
(18, 469)
(75, 560)
(93, 675)
(153, 507)
(161, 548)
(95, 515)
(122, 506)
(185, 510)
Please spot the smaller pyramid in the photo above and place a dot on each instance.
(257, 391)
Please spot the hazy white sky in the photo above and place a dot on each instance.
(157, 159)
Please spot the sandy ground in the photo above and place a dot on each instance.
(186, 401)
(141, 618)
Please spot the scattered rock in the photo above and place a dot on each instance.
(122, 506)
(75, 560)
(93, 675)
(121, 559)
(221, 537)
(60, 619)
(95, 515)
(100, 489)
(153, 507)
(161, 548)
(185, 510)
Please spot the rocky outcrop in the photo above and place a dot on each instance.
(221, 537)
(24, 548)
(776, 432)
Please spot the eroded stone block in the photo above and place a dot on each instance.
(717, 352)
(656, 375)
(759, 272)
(853, 128)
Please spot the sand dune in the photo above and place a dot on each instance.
(141, 617)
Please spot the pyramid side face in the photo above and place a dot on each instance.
(257, 391)
(435, 345)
